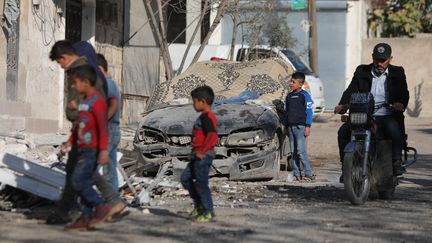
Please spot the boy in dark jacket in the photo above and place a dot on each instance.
(195, 177)
(298, 111)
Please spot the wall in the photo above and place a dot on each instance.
(356, 32)
(3, 67)
(140, 61)
(40, 80)
(414, 55)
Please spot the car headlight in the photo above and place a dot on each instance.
(245, 138)
(181, 139)
(358, 118)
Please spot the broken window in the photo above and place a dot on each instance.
(73, 20)
(176, 21)
(106, 13)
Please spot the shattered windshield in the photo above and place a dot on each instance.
(297, 62)
(268, 77)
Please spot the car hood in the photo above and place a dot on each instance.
(179, 120)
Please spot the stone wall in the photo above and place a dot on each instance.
(414, 55)
(2, 57)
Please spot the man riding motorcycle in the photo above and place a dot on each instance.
(388, 85)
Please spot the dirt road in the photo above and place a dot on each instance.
(272, 211)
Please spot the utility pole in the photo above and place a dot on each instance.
(313, 37)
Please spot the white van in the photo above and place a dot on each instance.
(313, 83)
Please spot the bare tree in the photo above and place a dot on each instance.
(216, 21)
(160, 37)
(198, 26)
(236, 19)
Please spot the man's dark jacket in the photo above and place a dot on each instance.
(395, 82)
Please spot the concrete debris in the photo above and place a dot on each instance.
(15, 148)
(2, 145)
(144, 197)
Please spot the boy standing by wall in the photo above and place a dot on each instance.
(195, 177)
(90, 133)
(114, 107)
(298, 111)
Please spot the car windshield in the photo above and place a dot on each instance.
(297, 62)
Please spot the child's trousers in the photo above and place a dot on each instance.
(195, 178)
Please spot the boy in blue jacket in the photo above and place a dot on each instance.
(298, 111)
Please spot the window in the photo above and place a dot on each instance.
(73, 20)
(176, 21)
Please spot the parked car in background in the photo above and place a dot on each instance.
(313, 83)
(249, 111)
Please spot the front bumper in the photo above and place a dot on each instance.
(318, 106)
(238, 163)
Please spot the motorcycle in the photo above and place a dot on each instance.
(367, 168)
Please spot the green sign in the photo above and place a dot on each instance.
(298, 4)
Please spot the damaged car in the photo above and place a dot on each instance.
(248, 106)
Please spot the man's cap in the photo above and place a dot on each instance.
(382, 51)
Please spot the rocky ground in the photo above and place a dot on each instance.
(267, 211)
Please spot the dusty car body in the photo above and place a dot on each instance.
(252, 136)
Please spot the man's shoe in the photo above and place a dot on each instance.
(205, 217)
(397, 168)
(398, 171)
(100, 214)
(81, 224)
(116, 209)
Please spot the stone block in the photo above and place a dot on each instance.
(12, 124)
(35, 125)
(13, 108)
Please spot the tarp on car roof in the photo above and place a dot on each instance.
(270, 77)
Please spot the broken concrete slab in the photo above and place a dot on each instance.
(33, 169)
(29, 184)
(50, 139)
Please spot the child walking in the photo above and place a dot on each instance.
(195, 177)
(298, 111)
(90, 133)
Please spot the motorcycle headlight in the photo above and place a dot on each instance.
(358, 118)
(245, 138)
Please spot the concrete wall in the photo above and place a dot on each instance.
(3, 66)
(356, 32)
(414, 55)
(40, 80)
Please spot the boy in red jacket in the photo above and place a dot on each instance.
(195, 177)
(91, 135)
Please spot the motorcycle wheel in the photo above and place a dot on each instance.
(356, 187)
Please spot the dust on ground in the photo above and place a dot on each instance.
(268, 211)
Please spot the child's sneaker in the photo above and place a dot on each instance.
(309, 178)
(196, 211)
(205, 217)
